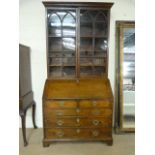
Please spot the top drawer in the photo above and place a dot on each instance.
(78, 103)
(61, 104)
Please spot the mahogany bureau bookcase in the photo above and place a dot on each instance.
(77, 97)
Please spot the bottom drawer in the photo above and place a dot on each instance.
(78, 133)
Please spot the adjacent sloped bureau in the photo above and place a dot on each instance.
(77, 97)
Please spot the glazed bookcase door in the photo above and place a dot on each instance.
(93, 42)
(77, 42)
(61, 43)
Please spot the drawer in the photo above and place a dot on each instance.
(78, 133)
(78, 122)
(95, 104)
(77, 112)
(95, 112)
(49, 113)
(60, 104)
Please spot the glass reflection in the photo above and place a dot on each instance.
(69, 25)
(54, 20)
(129, 78)
(85, 17)
(69, 21)
(68, 43)
(62, 23)
(68, 32)
(101, 44)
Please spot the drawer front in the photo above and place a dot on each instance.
(95, 104)
(78, 133)
(78, 122)
(60, 104)
(49, 113)
(77, 112)
(95, 112)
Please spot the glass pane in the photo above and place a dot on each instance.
(86, 44)
(55, 71)
(100, 54)
(55, 44)
(93, 42)
(101, 16)
(54, 24)
(69, 24)
(55, 61)
(101, 29)
(86, 70)
(62, 42)
(101, 44)
(86, 53)
(68, 44)
(86, 61)
(69, 71)
(85, 16)
(129, 77)
(86, 29)
(55, 54)
(99, 70)
(98, 62)
(70, 61)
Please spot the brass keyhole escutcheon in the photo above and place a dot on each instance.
(95, 133)
(94, 103)
(78, 131)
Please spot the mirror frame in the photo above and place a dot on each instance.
(120, 25)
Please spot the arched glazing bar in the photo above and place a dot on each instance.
(103, 17)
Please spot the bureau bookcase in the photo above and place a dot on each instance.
(77, 97)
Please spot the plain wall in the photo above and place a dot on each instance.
(32, 33)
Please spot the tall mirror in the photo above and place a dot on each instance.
(125, 76)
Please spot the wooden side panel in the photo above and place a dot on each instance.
(24, 70)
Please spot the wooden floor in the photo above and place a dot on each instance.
(123, 145)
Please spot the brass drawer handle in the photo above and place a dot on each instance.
(95, 122)
(94, 103)
(95, 133)
(60, 134)
(60, 122)
(78, 120)
(96, 112)
(61, 103)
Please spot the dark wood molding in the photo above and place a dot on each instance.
(77, 4)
